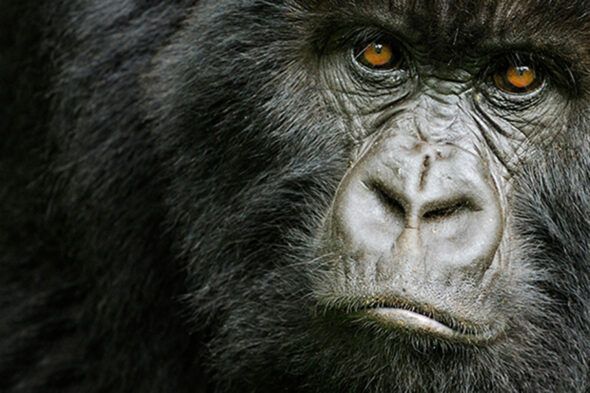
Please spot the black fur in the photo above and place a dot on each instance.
(165, 167)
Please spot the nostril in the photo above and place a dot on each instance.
(426, 162)
(391, 201)
(445, 209)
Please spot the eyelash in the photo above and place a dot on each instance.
(512, 59)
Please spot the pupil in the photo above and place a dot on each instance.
(378, 48)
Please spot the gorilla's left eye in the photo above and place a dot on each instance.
(517, 79)
(379, 54)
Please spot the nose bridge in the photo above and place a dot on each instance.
(436, 118)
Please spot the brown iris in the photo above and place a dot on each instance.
(517, 79)
(378, 54)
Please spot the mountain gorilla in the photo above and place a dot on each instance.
(295, 195)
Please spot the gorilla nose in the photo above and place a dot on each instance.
(421, 183)
(420, 210)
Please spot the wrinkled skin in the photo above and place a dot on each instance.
(218, 196)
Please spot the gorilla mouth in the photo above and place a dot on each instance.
(404, 316)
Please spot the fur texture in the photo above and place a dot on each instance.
(165, 169)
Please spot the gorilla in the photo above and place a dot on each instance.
(295, 196)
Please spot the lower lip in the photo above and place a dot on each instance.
(405, 319)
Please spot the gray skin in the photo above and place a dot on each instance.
(420, 226)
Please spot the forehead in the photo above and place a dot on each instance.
(460, 23)
(450, 11)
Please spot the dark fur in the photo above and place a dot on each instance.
(165, 169)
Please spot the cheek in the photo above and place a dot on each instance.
(532, 120)
(363, 105)
(510, 138)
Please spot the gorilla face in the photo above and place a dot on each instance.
(382, 174)
(420, 234)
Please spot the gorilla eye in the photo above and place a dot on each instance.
(379, 54)
(517, 79)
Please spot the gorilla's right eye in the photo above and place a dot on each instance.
(517, 79)
(379, 54)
